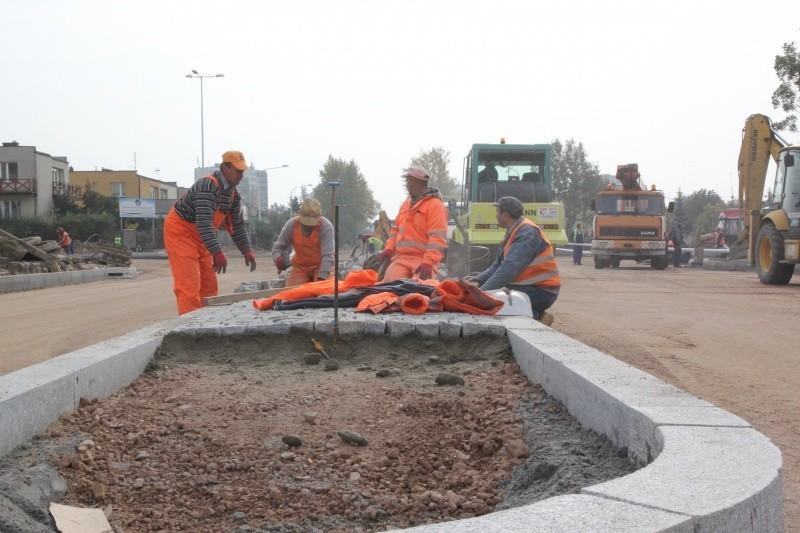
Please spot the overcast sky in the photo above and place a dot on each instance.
(666, 85)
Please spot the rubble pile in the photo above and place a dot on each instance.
(34, 255)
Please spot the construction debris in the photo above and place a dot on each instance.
(34, 255)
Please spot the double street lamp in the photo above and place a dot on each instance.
(201, 77)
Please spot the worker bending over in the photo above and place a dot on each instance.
(311, 236)
(190, 232)
(419, 238)
(526, 261)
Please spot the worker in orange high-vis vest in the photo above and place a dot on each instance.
(64, 241)
(311, 236)
(190, 232)
(418, 240)
(526, 262)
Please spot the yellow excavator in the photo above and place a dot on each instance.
(771, 228)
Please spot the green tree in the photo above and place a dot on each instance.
(576, 181)
(267, 230)
(707, 220)
(437, 162)
(696, 203)
(787, 95)
(679, 215)
(357, 205)
(64, 205)
(96, 203)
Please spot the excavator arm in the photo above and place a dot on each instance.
(760, 142)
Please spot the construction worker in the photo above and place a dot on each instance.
(190, 232)
(311, 236)
(64, 241)
(372, 244)
(417, 243)
(676, 236)
(526, 261)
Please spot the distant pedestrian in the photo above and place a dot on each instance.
(64, 241)
(577, 238)
(676, 236)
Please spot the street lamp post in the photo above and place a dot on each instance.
(294, 189)
(201, 77)
(265, 186)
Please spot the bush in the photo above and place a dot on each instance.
(79, 227)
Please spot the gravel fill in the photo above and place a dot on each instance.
(243, 434)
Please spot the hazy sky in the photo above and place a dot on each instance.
(666, 85)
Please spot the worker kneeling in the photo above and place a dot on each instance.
(526, 261)
(311, 236)
(417, 243)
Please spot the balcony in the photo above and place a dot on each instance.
(18, 186)
(73, 191)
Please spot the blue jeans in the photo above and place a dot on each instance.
(540, 299)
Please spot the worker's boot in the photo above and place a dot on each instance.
(546, 318)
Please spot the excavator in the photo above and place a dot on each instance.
(771, 229)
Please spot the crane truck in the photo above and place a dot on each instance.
(492, 171)
(771, 229)
(630, 223)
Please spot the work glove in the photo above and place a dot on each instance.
(386, 254)
(279, 264)
(424, 271)
(220, 262)
(471, 279)
(250, 260)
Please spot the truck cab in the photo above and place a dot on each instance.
(492, 171)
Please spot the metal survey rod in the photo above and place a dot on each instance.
(335, 211)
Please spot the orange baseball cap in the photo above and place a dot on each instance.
(235, 158)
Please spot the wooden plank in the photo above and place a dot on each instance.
(240, 296)
(51, 261)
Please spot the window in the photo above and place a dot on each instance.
(117, 188)
(9, 210)
(9, 171)
(163, 194)
(58, 175)
(153, 192)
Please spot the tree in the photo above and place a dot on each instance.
(64, 205)
(679, 214)
(357, 205)
(96, 203)
(576, 181)
(437, 162)
(787, 95)
(697, 202)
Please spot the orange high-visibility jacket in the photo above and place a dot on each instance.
(65, 240)
(543, 270)
(421, 229)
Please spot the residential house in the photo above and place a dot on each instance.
(29, 179)
(128, 184)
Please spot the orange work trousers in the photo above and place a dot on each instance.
(404, 265)
(299, 275)
(191, 263)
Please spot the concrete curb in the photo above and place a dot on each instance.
(706, 469)
(28, 282)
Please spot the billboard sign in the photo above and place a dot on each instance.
(137, 208)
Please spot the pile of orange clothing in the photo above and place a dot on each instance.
(354, 279)
(448, 295)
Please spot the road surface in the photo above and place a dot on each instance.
(722, 336)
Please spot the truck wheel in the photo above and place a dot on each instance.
(600, 263)
(454, 262)
(615, 261)
(659, 262)
(769, 253)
